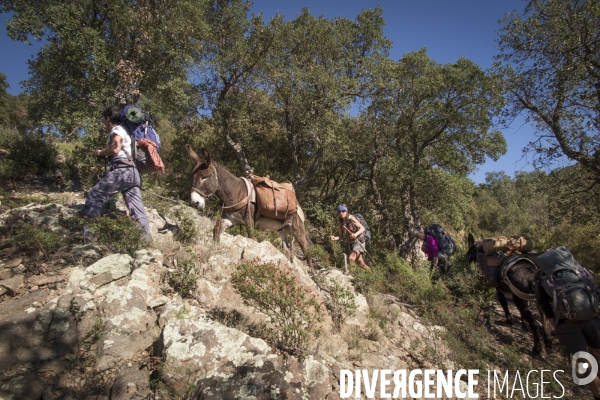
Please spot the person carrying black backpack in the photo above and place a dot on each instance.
(356, 236)
(569, 297)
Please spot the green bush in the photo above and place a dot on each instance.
(293, 312)
(183, 280)
(317, 252)
(342, 302)
(31, 153)
(81, 164)
(119, 233)
(187, 232)
(32, 239)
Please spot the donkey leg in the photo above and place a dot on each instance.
(220, 226)
(545, 328)
(285, 234)
(299, 232)
(504, 304)
(523, 306)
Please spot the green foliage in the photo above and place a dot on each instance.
(550, 64)
(342, 302)
(94, 53)
(187, 231)
(395, 276)
(293, 312)
(117, 232)
(551, 209)
(32, 239)
(317, 252)
(183, 280)
(31, 153)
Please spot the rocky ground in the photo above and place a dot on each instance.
(85, 323)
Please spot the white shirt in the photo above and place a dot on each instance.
(126, 145)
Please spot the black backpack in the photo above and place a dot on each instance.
(446, 243)
(361, 219)
(574, 293)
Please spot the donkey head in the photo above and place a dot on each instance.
(204, 177)
(475, 247)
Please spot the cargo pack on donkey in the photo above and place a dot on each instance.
(507, 244)
(145, 143)
(274, 200)
(572, 287)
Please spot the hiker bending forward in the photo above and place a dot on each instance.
(353, 231)
(123, 176)
(430, 246)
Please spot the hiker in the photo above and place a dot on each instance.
(577, 325)
(123, 176)
(430, 247)
(353, 230)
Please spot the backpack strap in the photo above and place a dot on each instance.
(506, 266)
(245, 201)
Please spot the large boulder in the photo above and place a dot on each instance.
(224, 363)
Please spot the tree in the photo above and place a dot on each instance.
(99, 53)
(434, 125)
(550, 62)
(235, 49)
(319, 67)
(13, 109)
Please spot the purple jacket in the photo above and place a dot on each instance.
(430, 246)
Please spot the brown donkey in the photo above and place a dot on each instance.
(518, 280)
(208, 178)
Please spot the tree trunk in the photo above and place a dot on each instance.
(386, 219)
(237, 149)
(411, 246)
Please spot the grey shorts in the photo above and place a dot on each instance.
(578, 335)
(357, 246)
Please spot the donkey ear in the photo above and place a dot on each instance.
(192, 154)
(470, 240)
(205, 155)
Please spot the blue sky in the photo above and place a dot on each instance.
(449, 29)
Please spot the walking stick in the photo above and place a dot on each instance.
(361, 245)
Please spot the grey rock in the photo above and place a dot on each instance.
(41, 280)
(19, 269)
(6, 274)
(12, 284)
(22, 387)
(87, 253)
(132, 383)
(13, 263)
(119, 265)
(116, 348)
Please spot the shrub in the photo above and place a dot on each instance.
(117, 232)
(32, 239)
(32, 153)
(187, 232)
(184, 279)
(293, 312)
(82, 164)
(319, 254)
(342, 302)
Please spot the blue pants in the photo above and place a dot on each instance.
(124, 180)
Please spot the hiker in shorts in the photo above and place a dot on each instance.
(123, 176)
(429, 247)
(353, 231)
(575, 335)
